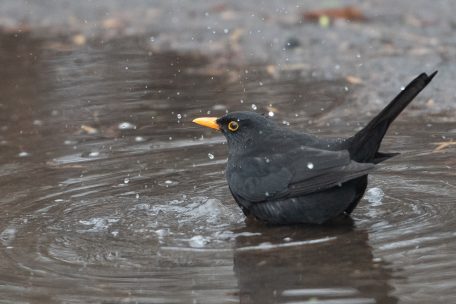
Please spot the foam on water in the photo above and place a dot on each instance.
(375, 196)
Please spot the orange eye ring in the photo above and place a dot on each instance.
(233, 126)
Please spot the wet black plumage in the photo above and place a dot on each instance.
(281, 176)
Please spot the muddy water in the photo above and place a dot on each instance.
(109, 193)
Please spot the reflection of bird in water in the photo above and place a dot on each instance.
(291, 264)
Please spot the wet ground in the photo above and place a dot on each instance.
(110, 194)
(382, 43)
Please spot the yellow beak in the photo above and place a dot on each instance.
(210, 122)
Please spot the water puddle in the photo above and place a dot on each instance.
(111, 194)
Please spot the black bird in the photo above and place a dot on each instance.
(284, 177)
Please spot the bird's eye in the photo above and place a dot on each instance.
(233, 126)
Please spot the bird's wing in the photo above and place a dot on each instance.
(297, 172)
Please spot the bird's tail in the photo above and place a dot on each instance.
(364, 145)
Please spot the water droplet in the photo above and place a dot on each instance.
(242, 101)
(210, 155)
(287, 123)
(402, 88)
(126, 126)
(310, 166)
(23, 154)
(170, 138)
(94, 154)
(226, 31)
(126, 180)
(179, 116)
(267, 160)
(271, 114)
(254, 107)
(346, 89)
(137, 195)
(266, 193)
(126, 68)
(139, 139)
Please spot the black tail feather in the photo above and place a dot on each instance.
(379, 157)
(364, 145)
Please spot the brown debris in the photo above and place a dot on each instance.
(57, 165)
(218, 8)
(430, 103)
(113, 23)
(89, 130)
(274, 70)
(79, 39)
(349, 13)
(443, 145)
(236, 35)
(353, 79)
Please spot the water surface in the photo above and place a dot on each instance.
(110, 194)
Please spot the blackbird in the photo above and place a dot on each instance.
(280, 176)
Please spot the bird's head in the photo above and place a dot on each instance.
(241, 129)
